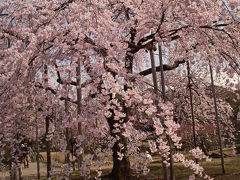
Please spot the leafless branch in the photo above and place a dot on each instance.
(165, 68)
(54, 92)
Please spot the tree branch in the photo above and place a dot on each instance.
(165, 68)
(64, 5)
(54, 92)
(4, 14)
(102, 51)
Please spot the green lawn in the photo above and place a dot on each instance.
(213, 168)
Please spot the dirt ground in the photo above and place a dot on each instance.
(28, 173)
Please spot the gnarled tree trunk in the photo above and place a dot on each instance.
(121, 167)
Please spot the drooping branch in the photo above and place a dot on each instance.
(13, 33)
(102, 51)
(59, 79)
(64, 5)
(173, 32)
(166, 67)
(73, 83)
(54, 92)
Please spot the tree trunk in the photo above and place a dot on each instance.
(204, 149)
(37, 143)
(12, 169)
(121, 168)
(11, 174)
(67, 133)
(68, 146)
(217, 119)
(48, 147)
(192, 114)
(172, 173)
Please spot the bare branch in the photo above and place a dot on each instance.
(102, 51)
(5, 14)
(165, 68)
(54, 92)
(64, 5)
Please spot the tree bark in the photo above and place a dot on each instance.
(217, 119)
(121, 168)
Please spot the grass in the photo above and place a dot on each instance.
(55, 156)
(232, 167)
(213, 168)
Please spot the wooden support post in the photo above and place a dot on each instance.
(192, 113)
(217, 119)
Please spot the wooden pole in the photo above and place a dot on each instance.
(37, 144)
(79, 104)
(217, 119)
(48, 147)
(48, 143)
(172, 174)
(79, 94)
(67, 160)
(154, 76)
(67, 131)
(162, 74)
(192, 113)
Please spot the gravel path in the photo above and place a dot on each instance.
(28, 173)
